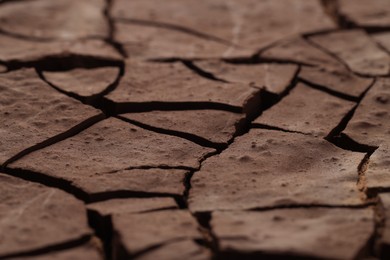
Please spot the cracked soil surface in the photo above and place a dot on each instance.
(196, 129)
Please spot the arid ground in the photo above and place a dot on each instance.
(194, 129)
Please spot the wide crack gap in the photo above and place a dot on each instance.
(177, 28)
(50, 248)
(138, 107)
(63, 62)
(57, 138)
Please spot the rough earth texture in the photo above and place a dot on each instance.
(197, 129)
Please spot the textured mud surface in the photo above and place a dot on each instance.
(197, 129)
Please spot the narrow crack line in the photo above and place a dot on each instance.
(111, 30)
(57, 138)
(48, 181)
(328, 90)
(147, 167)
(72, 189)
(50, 248)
(25, 37)
(156, 246)
(365, 204)
(380, 46)
(117, 194)
(188, 136)
(362, 169)
(264, 60)
(275, 128)
(324, 50)
(204, 74)
(94, 100)
(178, 28)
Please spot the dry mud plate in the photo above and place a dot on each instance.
(194, 129)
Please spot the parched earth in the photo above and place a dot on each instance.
(197, 129)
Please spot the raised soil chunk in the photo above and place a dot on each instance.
(246, 23)
(385, 239)
(186, 249)
(154, 180)
(383, 39)
(271, 168)
(307, 110)
(150, 42)
(174, 83)
(32, 112)
(214, 125)
(343, 82)
(370, 123)
(296, 49)
(131, 205)
(138, 232)
(311, 233)
(59, 19)
(96, 158)
(18, 50)
(376, 14)
(376, 177)
(78, 253)
(357, 50)
(83, 82)
(273, 77)
(34, 217)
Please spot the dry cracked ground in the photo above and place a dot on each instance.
(197, 129)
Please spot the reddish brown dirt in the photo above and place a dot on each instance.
(197, 129)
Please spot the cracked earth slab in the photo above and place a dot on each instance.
(302, 233)
(87, 251)
(371, 61)
(343, 83)
(317, 114)
(148, 42)
(273, 77)
(100, 155)
(23, 51)
(34, 217)
(370, 123)
(383, 39)
(131, 205)
(136, 233)
(83, 82)
(32, 113)
(156, 83)
(260, 170)
(376, 14)
(248, 24)
(296, 49)
(186, 249)
(217, 127)
(69, 19)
